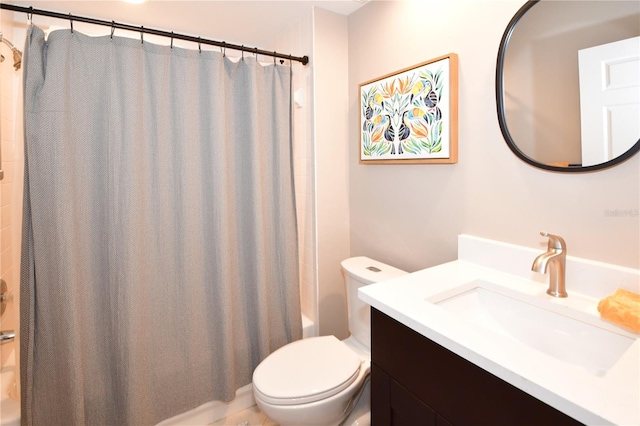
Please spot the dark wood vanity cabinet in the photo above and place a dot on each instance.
(415, 381)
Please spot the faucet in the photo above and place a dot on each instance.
(554, 260)
(6, 336)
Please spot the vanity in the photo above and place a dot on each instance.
(479, 341)
(425, 383)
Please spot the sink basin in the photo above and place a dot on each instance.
(494, 308)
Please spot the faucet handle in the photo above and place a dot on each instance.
(556, 242)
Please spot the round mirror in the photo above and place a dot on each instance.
(568, 83)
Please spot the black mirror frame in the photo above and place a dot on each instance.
(502, 120)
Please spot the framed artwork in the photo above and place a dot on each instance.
(411, 116)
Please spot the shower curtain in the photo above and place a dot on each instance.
(159, 239)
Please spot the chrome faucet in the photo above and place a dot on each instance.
(554, 260)
(6, 336)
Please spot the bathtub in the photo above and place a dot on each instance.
(9, 407)
(202, 415)
(215, 410)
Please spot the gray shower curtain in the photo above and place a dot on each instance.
(159, 240)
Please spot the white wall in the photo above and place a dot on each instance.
(410, 215)
(330, 56)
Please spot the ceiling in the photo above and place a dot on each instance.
(252, 23)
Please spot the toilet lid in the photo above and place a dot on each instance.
(305, 371)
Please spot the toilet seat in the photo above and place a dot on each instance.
(317, 368)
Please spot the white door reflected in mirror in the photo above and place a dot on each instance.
(609, 99)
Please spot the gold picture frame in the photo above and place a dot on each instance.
(411, 116)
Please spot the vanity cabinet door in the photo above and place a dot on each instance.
(458, 391)
(392, 404)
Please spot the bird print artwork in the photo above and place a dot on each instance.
(404, 116)
(374, 106)
(390, 133)
(403, 132)
(431, 100)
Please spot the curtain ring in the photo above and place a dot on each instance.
(242, 52)
(142, 34)
(224, 49)
(199, 47)
(274, 58)
(71, 22)
(255, 52)
(30, 14)
(290, 62)
(172, 39)
(113, 28)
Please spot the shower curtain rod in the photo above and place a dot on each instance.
(222, 44)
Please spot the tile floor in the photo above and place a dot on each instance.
(249, 417)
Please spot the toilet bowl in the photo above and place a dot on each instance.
(319, 380)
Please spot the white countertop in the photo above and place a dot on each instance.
(612, 398)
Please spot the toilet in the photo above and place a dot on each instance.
(320, 380)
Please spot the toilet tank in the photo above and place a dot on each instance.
(358, 272)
